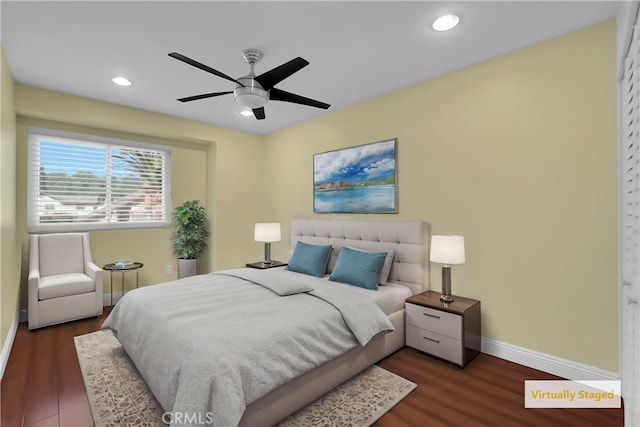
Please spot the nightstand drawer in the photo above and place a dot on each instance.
(437, 321)
(435, 344)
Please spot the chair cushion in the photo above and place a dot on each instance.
(62, 285)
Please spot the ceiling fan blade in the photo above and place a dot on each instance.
(278, 74)
(259, 113)
(203, 96)
(281, 95)
(203, 67)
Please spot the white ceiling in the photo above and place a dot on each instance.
(357, 50)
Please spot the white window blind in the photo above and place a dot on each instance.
(82, 182)
(630, 231)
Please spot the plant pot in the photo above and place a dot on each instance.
(186, 268)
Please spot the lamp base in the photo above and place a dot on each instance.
(446, 284)
(446, 298)
(267, 254)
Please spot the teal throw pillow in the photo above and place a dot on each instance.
(358, 268)
(309, 259)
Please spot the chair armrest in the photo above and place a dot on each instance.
(95, 273)
(92, 270)
(33, 280)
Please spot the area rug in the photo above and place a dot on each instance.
(118, 395)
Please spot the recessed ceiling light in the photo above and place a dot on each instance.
(445, 22)
(121, 81)
(246, 113)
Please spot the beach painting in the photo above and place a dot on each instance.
(360, 179)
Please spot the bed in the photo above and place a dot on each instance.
(314, 363)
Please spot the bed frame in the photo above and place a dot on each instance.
(409, 239)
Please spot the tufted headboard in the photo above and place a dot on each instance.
(408, 238)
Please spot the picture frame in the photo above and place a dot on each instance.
(358, 179)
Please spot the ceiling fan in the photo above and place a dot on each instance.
(253, 91)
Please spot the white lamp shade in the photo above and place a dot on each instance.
(267, 232)
(447, 249)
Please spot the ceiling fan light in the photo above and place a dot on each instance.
(445, 22)
(246, 112)
(250, 100)
(251, 95)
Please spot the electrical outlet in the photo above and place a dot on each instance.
(168, 269)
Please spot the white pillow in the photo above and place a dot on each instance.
(386, 267)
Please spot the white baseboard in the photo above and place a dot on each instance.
(545, 362)
(8, 343)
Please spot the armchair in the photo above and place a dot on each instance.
(64, 283)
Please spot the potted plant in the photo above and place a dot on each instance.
(190, 232)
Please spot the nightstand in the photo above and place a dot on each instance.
(261, 265)
(451, 331)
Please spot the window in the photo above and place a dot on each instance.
(81, 182)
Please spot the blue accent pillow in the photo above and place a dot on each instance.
(358, 268)
(309, 259)
(386, 267)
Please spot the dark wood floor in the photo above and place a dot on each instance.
(487, 392)
(42, 386)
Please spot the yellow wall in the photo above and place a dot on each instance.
(517, 154)
(9, 252)
(201, 156)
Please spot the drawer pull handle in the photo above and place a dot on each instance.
(432, 340)
(431, 315)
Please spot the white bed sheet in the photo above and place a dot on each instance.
(390, 297)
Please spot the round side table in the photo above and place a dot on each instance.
(113, 267)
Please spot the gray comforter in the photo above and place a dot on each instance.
(209, 345)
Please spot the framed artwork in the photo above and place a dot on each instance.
(360, 179)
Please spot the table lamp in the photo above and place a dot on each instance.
(447, 250)
(267, 232)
